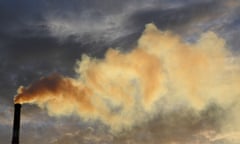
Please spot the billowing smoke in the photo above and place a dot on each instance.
(162, 73)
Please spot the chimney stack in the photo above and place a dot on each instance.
(16, 123)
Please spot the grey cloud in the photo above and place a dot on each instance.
(106, 20)
(175, 18)
(4, 134)
(62, 130)
(181, 126)
(230, 30)
(16, 15)
(86, 136)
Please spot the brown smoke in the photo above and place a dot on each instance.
(125, 89)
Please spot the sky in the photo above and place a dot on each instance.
(155, 72)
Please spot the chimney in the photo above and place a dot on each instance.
(16, 123)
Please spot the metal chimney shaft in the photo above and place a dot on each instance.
(16, 123)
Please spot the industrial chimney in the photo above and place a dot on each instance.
(16, 123)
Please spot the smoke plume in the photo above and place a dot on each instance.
(162, 73)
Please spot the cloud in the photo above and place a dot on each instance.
(176, 17)
(40, 37)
